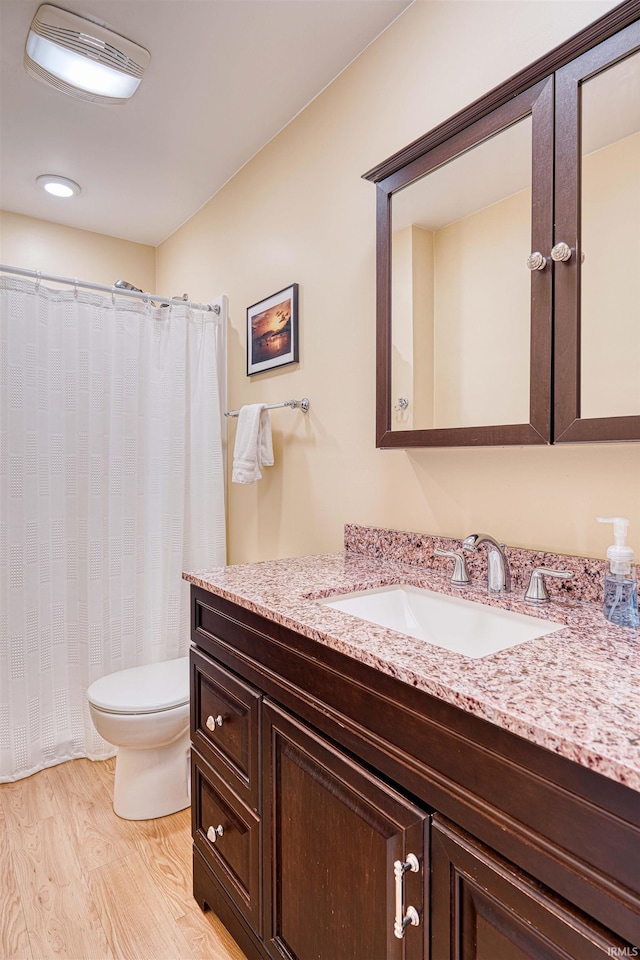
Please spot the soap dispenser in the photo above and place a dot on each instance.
(620, 584)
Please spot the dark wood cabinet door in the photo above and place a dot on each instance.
(332, 833)
(536, 105)
(597, 216)
(484, 908)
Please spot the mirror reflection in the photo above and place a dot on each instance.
(460, 288)
(610, 274)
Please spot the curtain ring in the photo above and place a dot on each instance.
(75, 287)
(38, 279)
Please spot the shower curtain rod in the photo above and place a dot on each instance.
(87, 285)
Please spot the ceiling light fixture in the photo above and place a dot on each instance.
(58, 186)
(82, 58)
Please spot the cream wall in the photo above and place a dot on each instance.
(299, 211)
(67, 252)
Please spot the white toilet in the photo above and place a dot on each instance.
(144, 712)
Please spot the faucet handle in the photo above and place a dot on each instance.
(537, 590)
(460, 575)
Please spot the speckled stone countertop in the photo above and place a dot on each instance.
(575, 692)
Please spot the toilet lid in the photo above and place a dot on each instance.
(147, 689)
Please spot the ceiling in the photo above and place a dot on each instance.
(225, 76)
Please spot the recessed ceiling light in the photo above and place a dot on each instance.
(82, 58)
(58, 186)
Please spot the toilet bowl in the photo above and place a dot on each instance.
(144, 712)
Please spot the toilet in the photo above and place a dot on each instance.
(144, 712)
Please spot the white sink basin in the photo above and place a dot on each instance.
(454, 623)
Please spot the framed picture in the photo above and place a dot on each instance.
(272, 331)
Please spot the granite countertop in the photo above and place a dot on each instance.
(575, 691)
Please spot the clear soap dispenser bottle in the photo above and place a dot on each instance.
(620, 584)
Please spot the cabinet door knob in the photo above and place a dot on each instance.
(411, 917)
(536, 261)
(214, 832)
(213, 722)
(561, 252)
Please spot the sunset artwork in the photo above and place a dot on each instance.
(272, 331)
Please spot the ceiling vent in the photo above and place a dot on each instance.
(82, 58)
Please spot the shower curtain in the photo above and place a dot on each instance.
(111, 483)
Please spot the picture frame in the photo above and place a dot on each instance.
(272, 331)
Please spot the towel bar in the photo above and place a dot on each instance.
(303, 404)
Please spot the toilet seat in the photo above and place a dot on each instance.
(152, 688)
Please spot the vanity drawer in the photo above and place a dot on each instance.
(227, 834)
(225, 718)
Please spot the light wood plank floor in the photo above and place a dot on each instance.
(77, 882)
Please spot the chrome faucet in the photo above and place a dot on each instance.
(498, 573)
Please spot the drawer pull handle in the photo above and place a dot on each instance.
(213, 722)
(411, 917)
(214, 832)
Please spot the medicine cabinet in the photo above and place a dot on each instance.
(508, 255)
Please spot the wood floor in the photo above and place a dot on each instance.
(78, 882)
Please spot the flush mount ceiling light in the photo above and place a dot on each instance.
(58, 186)
(82, 58)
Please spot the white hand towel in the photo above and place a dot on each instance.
(266, 443)
(253, 447)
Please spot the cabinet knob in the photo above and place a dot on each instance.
(411, 917)
(561, 252)
(214, 832)
(213, 722)
(535, 261)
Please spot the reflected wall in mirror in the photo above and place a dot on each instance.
(460, 290)
(610, 235)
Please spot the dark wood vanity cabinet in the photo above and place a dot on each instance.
(331, 773)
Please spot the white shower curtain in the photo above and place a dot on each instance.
(111, 483)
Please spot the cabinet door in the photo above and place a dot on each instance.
(484, 908)
(597, 289)
(456, 226)
(332, 833)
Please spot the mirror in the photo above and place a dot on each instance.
(460, 290)
(610, 242)
(543, 172)
(464, 328)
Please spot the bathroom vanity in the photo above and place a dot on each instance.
(358, 794)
